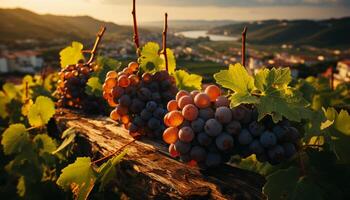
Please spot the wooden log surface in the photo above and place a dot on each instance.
(148, 172)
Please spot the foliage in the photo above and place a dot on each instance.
(71, 54)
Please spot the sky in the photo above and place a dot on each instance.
(119, 11)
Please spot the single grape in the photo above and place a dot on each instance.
(153, 123)
(206, 113)
(202, 100)
(238, 113)
(182, 147)
(213, 92)
(147, 77)
(139, 122)
(134, 79)
(172, 105)
(256, 147)
(185, 158)
(268, 139)
(223, 115)
(198, 153)
(146, 115)
(137, 106)
(170, 135)
(185, 100)
(222, 101)
(121, 110)
(159, 113)
(114, 115)
(276, 154)
(213, 159)
(186, 134)
(198, 125)
(125, 100)
(123, 81)
(203, 139)
(256, 129)
(133, 66)
(125, 119)
(194, 93)
(174, 119)
(144, 94)
(289, 150)
(245, 137)
(224, 142)
(117, 92)
(180, 94)
(151, 106)
(190, 112)
(281, 133)
(233, 128)
(213, 127)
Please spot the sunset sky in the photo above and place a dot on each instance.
(152, 10)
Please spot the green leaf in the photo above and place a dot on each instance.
(93, 87)
(171, 61)
(286, 184)
(44, 143)
(278, 104)
(4, 100)
(104, 66)
(342, 123)
(41, 111)
(107, 171)
(150, 55)
(275, 78)
(236, 78)
(68, 136)
(186, 81)
(14, 139)
(80, 177)
(10, 90)
(71, 54)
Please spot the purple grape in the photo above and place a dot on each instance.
(153, 123)
(186, 134)
(198, 153)
(213, 127)
(146, 115)
(233, 128)
(224, 142)
(198, 125)
(151, 106)
(289, 149)
(268, 139)
(256, 129)
(125, 100)
(276, 154)
(256, 147)
(223, 115)
(206, 113)
(182, 147)
(203, 139)
(245, 137)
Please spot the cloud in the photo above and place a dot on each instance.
(240, 3)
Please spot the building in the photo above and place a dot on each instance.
(20, 61)
(343, 68)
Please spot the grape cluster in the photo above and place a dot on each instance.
(71, 87)
(139, 102)
(203, 129)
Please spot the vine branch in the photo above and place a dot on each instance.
(136, 33)
(164, 40)
(115, 152)
(244, 35)
(97, 42)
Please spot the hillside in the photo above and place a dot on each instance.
(189, 24)
(332, 32)
(21, 24)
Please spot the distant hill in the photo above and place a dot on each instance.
(324, 33)
(21, 24)
(189, 24)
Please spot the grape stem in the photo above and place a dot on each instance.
(115, 152)
(136, 33)
(97, 42)
(244, 35)
(164, 40)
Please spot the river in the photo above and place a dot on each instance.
(201, 33)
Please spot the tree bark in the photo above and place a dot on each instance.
(148, 171)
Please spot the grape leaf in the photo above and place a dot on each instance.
(342, 122)
(10, 90)
(4, 100)
(93, 87)
(107, 171)
(105, 65)
(41, 111)
(71, 54)
(79, 176)
(152, 59)
(286, 184)
(237, 79)
(186, 81)
(44, 143)
(14, 139)
(68, 136)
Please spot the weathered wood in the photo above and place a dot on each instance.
(148, 172)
